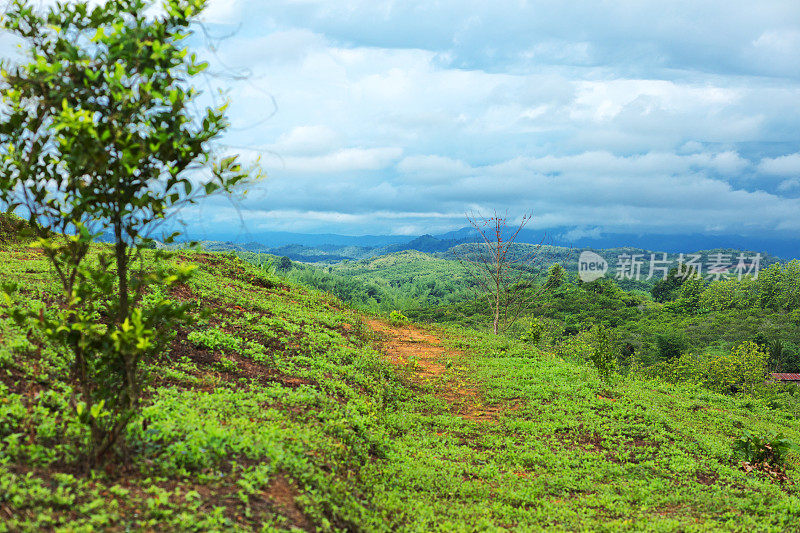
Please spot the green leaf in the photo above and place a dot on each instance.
(97, 409)
(99, 35)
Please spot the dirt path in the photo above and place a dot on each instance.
(434, 365)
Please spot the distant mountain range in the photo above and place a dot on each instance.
(274, 239)
(785, 247)
(333, 248)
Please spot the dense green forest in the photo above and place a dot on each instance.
(413, 279)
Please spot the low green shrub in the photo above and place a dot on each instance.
(215, 339)
(226, 365)
(769, 449)
(396, 318)
(576, 347)
(533, 331)
(604, 352)
(256, 352)
(744, 368)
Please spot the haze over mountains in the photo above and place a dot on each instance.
(332, 247)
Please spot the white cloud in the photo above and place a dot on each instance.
(432, 167)
(729, 162)
(307, 141)
(776, 50)
(786, 165)
(656, 192)
(222, 12)
(579, 233)
(603, 163)
(347, 159)
(560, 52)
(779, 42)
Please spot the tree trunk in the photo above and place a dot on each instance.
(498, 286)
(128, 359)
(497, 309)
(122, 271)
(496, 317)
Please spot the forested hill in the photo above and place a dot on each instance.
(542, 254)
(411, 279)
(322, 248)
(332, 253)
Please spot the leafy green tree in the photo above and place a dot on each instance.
(769, 282)
(729, 294)
(779, 286)
(789, 357)
(284, 264)
(690, 292)
(97, 137)
(668, 289)
(744, 368)
(790, 285)
(603, 352)
(555, 276)
(671, 345)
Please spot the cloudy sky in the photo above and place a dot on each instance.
(396, 117)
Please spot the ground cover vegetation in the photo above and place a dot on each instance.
(281, 407)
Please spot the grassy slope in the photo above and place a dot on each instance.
(314, 429)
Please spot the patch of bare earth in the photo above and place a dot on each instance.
(411, 345)
(281, 494)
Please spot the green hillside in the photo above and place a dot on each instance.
(415, 281)
(281, 408)
(401, 280)
(651, 317)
